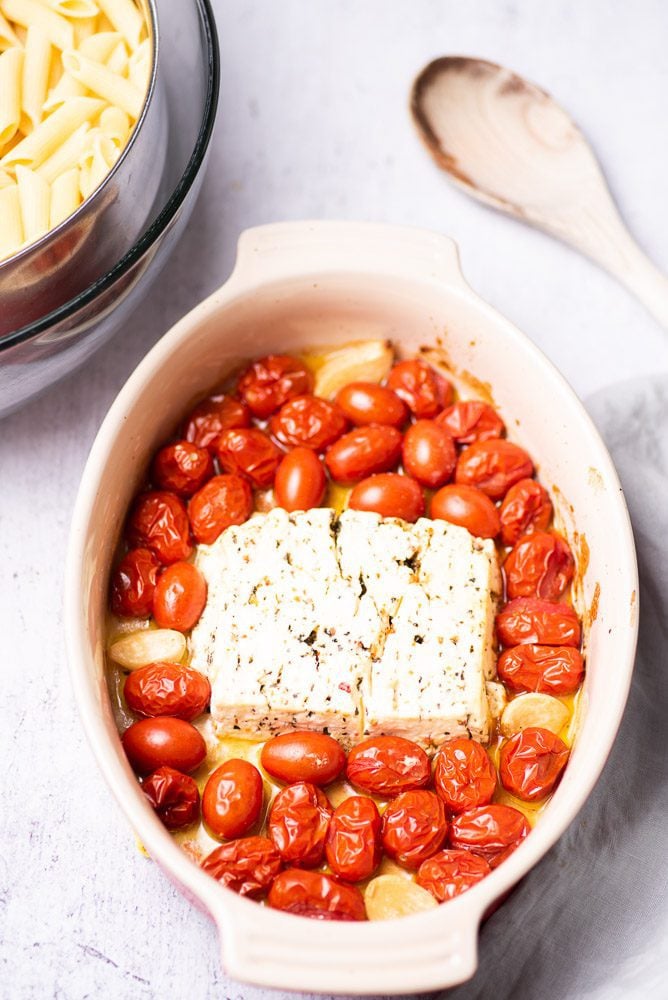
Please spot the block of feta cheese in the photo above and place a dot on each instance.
(354, 625)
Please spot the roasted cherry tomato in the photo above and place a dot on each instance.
(167, 689)
(308, 422)
(223, 501)
(180, 596)
(471, 421)
(165, 742)
(527, 619)
(468, 507)
(272, 381)
(414, 827)
(353, 847)
(553, 670)
(367, 403)
(213, 416)
(540, 565)
(493, 466)
(526, 507)
(133, 584)
(464, 775)
(174, 796)
(159, 522)
(248, 452)
(232, 799)
(387, 765)
(316, 895)
(450, 873)
(300, 480)
(492, 831)
(248, 865)
(298, 822)
(531, 762)
(303, 756)
(389, 494)
(429, 453)
(420, 386)
(182, 467)
(362, 452)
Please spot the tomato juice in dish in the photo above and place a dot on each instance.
(341, 648)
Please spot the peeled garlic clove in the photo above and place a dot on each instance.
(139, 648)
(390, 896)
(364, 361)
(497, 698)
(534, 710)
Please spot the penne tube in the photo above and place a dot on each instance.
(8, 37)
(126, 18)
(115, 124)
(35, 74)
(84, 27)
(52, 132)
(34, 201)
(66, 156)
(101, 81)
(5, 179)
(66, 87)
(118, 60)
(96, 163)
(11, 66)
(100, 45)
(74, 8)
(65, 196)
(33, 13)
(11, 227)
(140, 65)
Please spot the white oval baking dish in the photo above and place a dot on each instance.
(303, 284)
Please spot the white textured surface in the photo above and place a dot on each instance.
(313, 123)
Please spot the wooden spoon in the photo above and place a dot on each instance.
(509, 144)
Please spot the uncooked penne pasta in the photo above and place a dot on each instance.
(118, 60)
(11, 63)
(34, 201)
(8, 38)
(74, 8)
(100, 45)
(11, 228)
(52, 132)
(35, 74)
(31, 12)
(115, 124)
(66, 87)
(101, 81)
(65, 196)
(125, 17)
(65, 156)
(140, 65)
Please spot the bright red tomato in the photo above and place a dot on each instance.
(223, 501)
(232, 799)
(414, 827)
(300, 480)
(298, 822)
(316, 895)
(213, 416)
(527, 619)
(492, 831)
(555, 670)
(471, 421)
(493, 466)
(167, 689)
(165, 742)
(270, 382)
(303, 756)
(180, 596)
(464, 775)
(526, 507)
(248, 865)
(540, 565)
(530, 763)
(362, 452)
(133, 584)
(182, 468)
(366, 403)
(388, 765)
(246, 451)
(429, 453)
(308, 422)
(390, 495)
(422, 388)
(450, 873)
(353, 847)
(174, 796)
(159, 522)
(468, 507)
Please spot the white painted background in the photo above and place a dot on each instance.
(312, 123)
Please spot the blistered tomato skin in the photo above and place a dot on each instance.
(468, 507)
(303, 756)
(363, 452)
(556, 670)
(159, 522)
(414, 827)
(180, 596)
(163, 742)
(271, 381)
(316, 895)
(223, 501)
(531, 763)
(526, 507)
(182, 467)
(213, 416)
(366, 403)
(388, 765)
(493, 466)
(232, 799)
(540, 565)
(133, 584)
(298, 822)
(248, 865)
(429, 453)
(248, 452)
(390, 495)
(450, 873)
(174, 796)
(353, 847)
(167, 689)
(471, 421)
(308, 422)
(300, 480)
(421, 387)
(464, 776)
(529, 620)
(492, 831)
